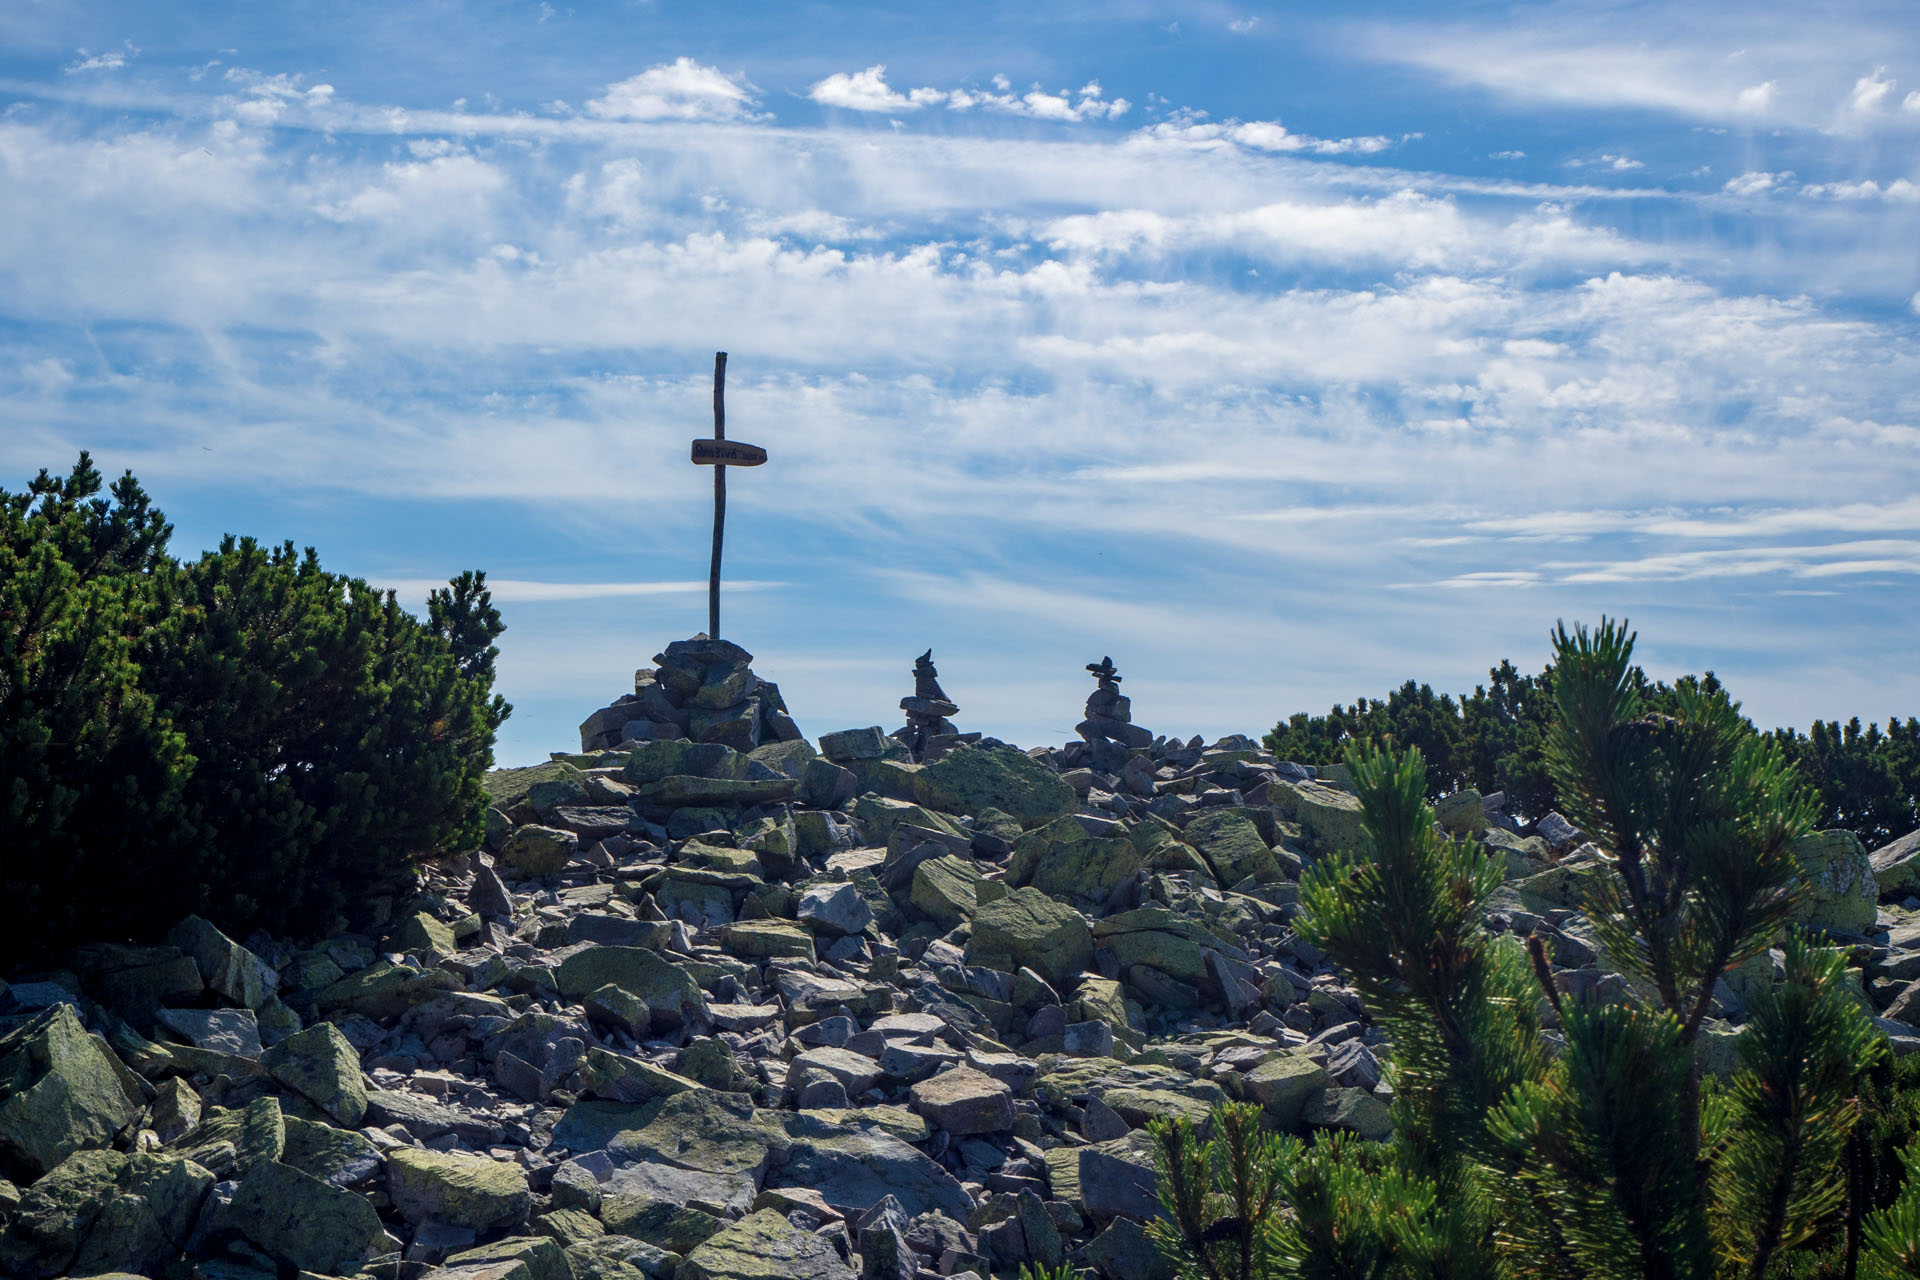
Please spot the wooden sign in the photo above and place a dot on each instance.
(727, 453)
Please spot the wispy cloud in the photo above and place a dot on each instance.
(679, 90)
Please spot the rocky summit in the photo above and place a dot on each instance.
(717, 1003)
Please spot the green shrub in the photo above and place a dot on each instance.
(1606, 1156)
(245, 735)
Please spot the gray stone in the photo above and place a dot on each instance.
(835, 909)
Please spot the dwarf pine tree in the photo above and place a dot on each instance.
(1539, 1132)
(244, 735)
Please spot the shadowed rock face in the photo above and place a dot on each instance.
(734, 1008)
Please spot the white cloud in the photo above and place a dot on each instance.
(1508, 155)
(868, 91)
(1754, 182)
(1068, 105)
(1608, 161)
(1255, 135)
(1870, 92)
(1899, 190)
(1756, 98)
(1241, 26)
(679, 90)
(111, 60)
(1911, 103)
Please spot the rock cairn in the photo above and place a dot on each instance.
(694, 1013)
(1108, 730)
(701, 689)
(929, 733)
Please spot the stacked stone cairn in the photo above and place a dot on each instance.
(702, 689)
(706, 1011)
(929, 734)
(1108, 729)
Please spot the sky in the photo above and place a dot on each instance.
(1283, 352)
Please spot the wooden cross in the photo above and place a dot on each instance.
(721, 453)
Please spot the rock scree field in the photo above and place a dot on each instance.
(713, 1002)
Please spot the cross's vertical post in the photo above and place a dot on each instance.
(721, 453)
(719, 493)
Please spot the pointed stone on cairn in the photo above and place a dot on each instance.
(1109, 730)
(702, 689)
(929, 734)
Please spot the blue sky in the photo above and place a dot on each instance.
(1282, 352)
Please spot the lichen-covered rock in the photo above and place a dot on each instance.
(964, 1101)
(321, 1065)
(301, 1222)
(463, 1190)
(534, 850)
(1232, 847)
(769, 939)
(946, 889)
(971, 778)
(1354, 1110)
(1027, 928)
(1841, 890)
(343, 1157)
(230, 1139)
(425, 935)
(225, 965)
(1064, 861)
(835, 909)
(1896, 866)
(1331, 819)
(63, 1093)
(542, 1257)
(1463, 813)
(384, 990)
(669, 991)
(1284, 1084)
(764, 1246)
(58, 1212)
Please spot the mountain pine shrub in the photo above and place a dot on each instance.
(245, 735)
(1539, 1133)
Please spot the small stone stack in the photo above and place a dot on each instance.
(929, 734)
(1108, 730)
(701, 689)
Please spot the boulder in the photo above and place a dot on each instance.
(58, 1213)
(225, 965)
(669, 991)
(1896, 866)
(1842, 892)
(971, 778)
(764, 1246)
(946, 890)
(964, 1101)
(1064, 861)
(322, 1066)
(534, 850)
(1233, 848)
(463, 1190)
(835, 909)
(541, 1257)
(856, 1166)
(1027, 928)
(1331, 819)
(1463, 813)
(63, 1092)
(304, 1223)
(230, 1031)
(1284, 1084)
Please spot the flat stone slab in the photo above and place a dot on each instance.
(964, 1101)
